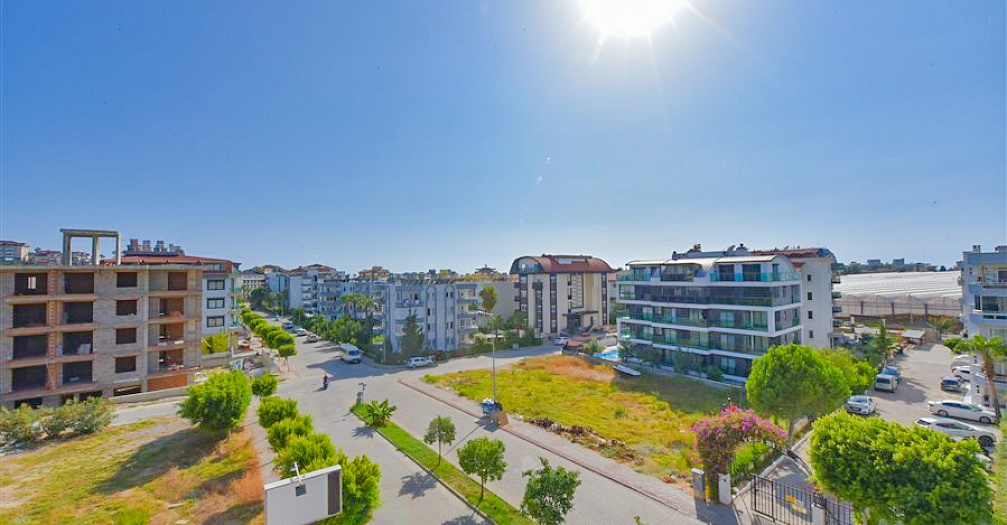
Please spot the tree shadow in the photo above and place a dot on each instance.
(363, 431)
(417, 484)
(181, 449)
(464, 520)
(237, 515)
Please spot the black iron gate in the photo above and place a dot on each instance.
(789, 505)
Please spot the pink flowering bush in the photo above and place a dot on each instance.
(717, 437)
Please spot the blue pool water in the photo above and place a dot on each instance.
(610, 354)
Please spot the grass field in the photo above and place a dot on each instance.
(652, 414)
(158, 471)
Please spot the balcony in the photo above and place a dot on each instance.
(835, 279)
(78, 283)
(28, 379)
(77, 373)
(836, 309)
(29, 315)
(78, 313)
(30, 347)
(78, 343)
(836, 295)
(28, 284)
(742, 325)
(754, 277)
(168, 361)
(410, 303)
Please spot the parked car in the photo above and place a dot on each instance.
(351, 354)
(961, 360)
(560, 341)
(890, 370)
(951, 384)
(964, 372)
(961, 410)
(300, 332)
(312, 338)
(862, 405)
(958, 430)
(886, 382)
(415, 362)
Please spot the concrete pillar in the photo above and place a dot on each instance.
(118, 250)
(724, 488)
(95, 250)
(66, 249)
(699, 484)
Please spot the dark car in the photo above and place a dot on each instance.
(951, 384)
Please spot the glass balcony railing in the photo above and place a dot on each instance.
(754, 277)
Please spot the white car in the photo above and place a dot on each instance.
(560, 341)
(958, 430)
(961, 359)
(312, 338)
(862, 405)
(960, 410)
(416, 362)
(964, 372)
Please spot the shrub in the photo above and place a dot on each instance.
(714, 374)
(274, 409)
(311, 452)
(265, 385)
(377, 413)
(281, 432)
(287, 350)
(55, 422)
(91, 415)
(219, 404)
(19, 425)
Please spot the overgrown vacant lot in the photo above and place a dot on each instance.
(157, 471)
(651, 414)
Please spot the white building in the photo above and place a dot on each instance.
(984, 307)
(12, 252)
(301, 285)
(720, 309)
(562, 293)
(817, 269)
(250, 281)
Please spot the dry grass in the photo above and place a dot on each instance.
(651, 414)
(157, 472)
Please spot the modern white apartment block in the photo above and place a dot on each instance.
(251, 281)
(984, 306)
(727, 308)
(301, 286)
(561, 293)
(818, 275)
(77, 331)
(12, 252)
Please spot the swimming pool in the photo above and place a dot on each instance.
(610, 354)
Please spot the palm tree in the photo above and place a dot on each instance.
(882, 346)
(942, 324)
(991, 350)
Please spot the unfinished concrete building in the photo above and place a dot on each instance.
(71, 332)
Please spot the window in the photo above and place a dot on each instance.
(125, 364)
(809, 296)
(127, 307)
(215, 322)
(125, 280)
(215, 284)
(811, 334)
(811, 315)
(214, 303)
(809, 278)
(125, 336)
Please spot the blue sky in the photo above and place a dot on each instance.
(422, 135)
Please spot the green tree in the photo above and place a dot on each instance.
(265, 385)
(859, 374)
(794, 381)
(440, 431)
(488, 296)
(286, 351)
(412, 336)
(377, 413)
(991, 350)
(216, 343)
(361, 490)
(593, 347)
(881, 347)
(281, 432)
(219, 403)
(548, 496)
(942, 324)
(273, 409)
(904, 475)
(311, 452)
(483, 457)
(518, 321)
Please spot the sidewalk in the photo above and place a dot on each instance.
(679, 506)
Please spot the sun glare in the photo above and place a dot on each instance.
(628, 18)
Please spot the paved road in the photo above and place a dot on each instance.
(599, 500)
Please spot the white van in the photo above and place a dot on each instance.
(886, 382)
(961, 360)
(351, 354)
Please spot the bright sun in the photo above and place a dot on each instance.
(628, 18)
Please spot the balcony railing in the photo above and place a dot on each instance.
(755, 277)
(764, 301)
(835, 279)
(410, 303)
(836, 295)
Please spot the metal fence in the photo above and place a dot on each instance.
(790, 505)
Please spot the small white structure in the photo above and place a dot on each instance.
(305, 498)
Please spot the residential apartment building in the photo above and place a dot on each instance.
(984, 306)
(301, 285)
(44, 257)
(13, 252)
(220, 287)
(76, 331)
(721, 309)
(561, 293)
(251, 281)
(817, 267)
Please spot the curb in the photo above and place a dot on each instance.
(439, 480)
(575, 461)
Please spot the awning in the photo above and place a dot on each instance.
(914, 334)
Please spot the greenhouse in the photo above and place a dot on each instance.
(900, 294)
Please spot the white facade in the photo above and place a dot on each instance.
(220, 302)
(720, 309)
(251, 281)
(984, 306)
(816, 266)
(12, 252)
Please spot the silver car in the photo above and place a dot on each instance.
(958, 430)
(960, 410)
(862, 405)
